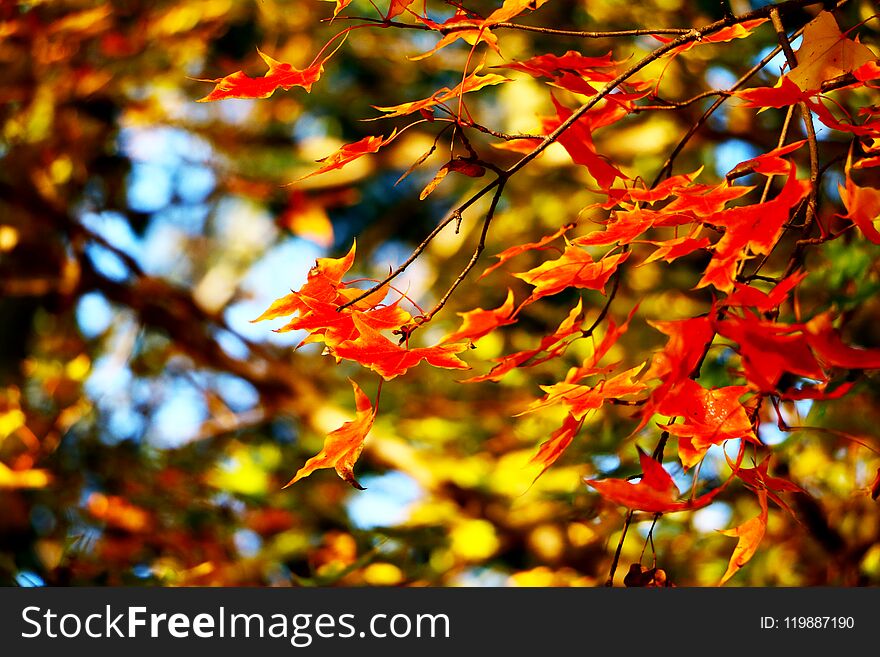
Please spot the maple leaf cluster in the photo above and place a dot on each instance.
(736, 227)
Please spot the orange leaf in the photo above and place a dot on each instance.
(655, 492)
(554, 66)
(478, 322)
(397, 7)
(710, 417)
(770, 163)
(285, 76)
(750, 534)
(676, 248)
(473, 82)
(862, 205)
(737, 31)
(343, 446)
(583, 399)
(349, 153)
(476, 33)
(461, 166)
(511, 9)
(340, 5)
(783, 94)
(687, 341)
(372, 349)
(514, 251)
(553, 447)
(323, 282)
(574, 269)
(751, 229)
(625, 227)
(554, 344)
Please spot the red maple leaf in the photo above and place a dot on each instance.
(578, 141)
(709, 418)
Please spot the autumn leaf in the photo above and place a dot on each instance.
(655, 492)
(340, 5)
(862, 205)
(459, 26)
(574, 269)
(750, 534)
(397, 7)
(372, 349)
(343, 446)
(737, 31)
(472, 82)
(770, 350)
(518, 249)
(323, 282)
(478, 322)
(695, 202)
(511, 9)
(746, 295)
(785, 93)
(624, 227)
(751, 229)
(771, 163)
(581, 399)
(551, 449)
(349, 153)
(687, 342)
(553, 66)
(470, 169)
(552, 345)
(709, 418)
(660, 192)
(578, 141)
(279, 75)
(672, 249)
(758, 479)
(825, 342)
(826, 53)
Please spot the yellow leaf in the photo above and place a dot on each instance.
(826, 53)
(750, 534)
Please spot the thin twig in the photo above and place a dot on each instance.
(680, 104)
(470, 27)
(481, 245)
(812, 144)
(616, 559)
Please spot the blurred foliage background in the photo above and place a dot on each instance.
(147, 427)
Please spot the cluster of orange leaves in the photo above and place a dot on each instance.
(357, 328)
